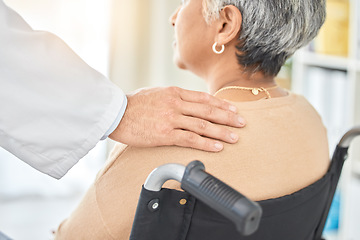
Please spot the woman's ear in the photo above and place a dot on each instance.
(229, 24)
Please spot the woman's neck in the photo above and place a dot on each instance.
(229, 75)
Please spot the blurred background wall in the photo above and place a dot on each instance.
(141, 46)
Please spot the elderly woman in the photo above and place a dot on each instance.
(237, 47)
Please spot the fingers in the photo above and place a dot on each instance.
(184, 138)
(207, 129)
(212, 114)
(205, 98)
(173, 116)
(204, 106)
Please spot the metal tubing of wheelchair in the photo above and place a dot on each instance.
(349, 136)
(245, 213)
(160, 175)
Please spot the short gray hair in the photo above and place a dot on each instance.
(272, 30)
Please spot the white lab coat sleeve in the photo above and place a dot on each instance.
(117, 121)
(54, 108)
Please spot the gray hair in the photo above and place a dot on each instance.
(272, 30)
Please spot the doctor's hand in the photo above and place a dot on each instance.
(174, 116)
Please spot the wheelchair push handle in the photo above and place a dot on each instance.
(349, 136)
(245, 213)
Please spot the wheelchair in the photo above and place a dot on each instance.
(209, 209)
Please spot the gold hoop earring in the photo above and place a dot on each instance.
(216, 51)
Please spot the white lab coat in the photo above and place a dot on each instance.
(54, 108)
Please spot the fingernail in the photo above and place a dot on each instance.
(233, 108)
(241, 121)
(218, 146)
(234, 136)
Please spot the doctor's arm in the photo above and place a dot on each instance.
(54, 108)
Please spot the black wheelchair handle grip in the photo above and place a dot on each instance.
(243, 212)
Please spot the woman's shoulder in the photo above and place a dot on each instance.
(116, 151)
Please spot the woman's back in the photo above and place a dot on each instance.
(282, 149)
(234, 46)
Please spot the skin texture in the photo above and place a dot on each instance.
(163, 116)
(174, 116)
(194, 38)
